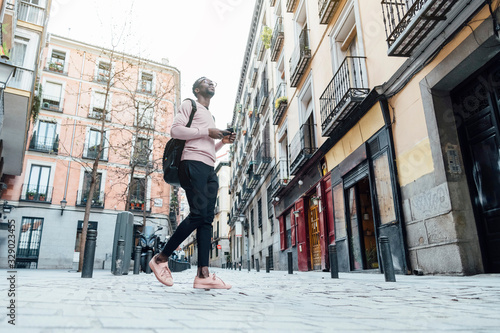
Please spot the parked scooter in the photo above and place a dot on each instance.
(150, 243)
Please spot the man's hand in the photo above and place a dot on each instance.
(229, 138)
(215, 133)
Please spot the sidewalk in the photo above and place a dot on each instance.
(61, 301)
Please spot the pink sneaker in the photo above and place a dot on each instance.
(211, 282)
(162, 272)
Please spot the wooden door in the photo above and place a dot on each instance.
(314, 238)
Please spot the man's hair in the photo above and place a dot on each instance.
(197, 83)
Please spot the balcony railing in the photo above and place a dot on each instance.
(137, 205)
(262, 157)
(255, 71)
(261, 47)
(97, 113)
(31, 13)
(97, 201)
(245, 191)
(145, 87)
(272, 3)
(52, 103)
(254, 125)
(344, 92)
(326, 10)
(36, 192)
(44, 144)
(302, 147)
(263, 93)
(409, 22)
(280, 177)
(277, 39)
(92, 154)
(300, 58)
(56, 67)
(23, 79)
(290, 5)
(253, 177)
(280, 103)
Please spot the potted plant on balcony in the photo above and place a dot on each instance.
(279, 101)
(41, 197)
(30, 195)
(267, 34)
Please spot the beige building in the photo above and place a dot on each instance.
(87, 94)
(383, 123)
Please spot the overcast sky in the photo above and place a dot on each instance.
(199, 37)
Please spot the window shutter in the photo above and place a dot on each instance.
(292, 224)
(282, 232)
(52, 90)
(99, 99)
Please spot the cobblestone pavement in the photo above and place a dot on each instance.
(61, 301)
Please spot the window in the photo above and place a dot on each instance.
(259, 212)
(143, 151)
(92, 146)
(38, 184)
(29, 242)
(103, 72)
(288, 228)
(57, 61)
(145, 115)
(251, 221)
(19, 48)
(344, 38)
(146, 83)
(44, 137)
(97, 199)
(100, 106)
(138, 192)
(51, 97)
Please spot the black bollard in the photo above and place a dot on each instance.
(137, 259)
(290, 263)
(257, 266)
(89, 254)
(385, 253)
(120, 255)
(248, 263)
(239, 266)
(268, 265)
(148, 259)
(334, 264)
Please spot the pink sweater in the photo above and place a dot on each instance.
(199, 146)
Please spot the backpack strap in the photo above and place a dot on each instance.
(193, 111)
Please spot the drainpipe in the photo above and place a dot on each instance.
(74, 125)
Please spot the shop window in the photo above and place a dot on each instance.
(383, 185)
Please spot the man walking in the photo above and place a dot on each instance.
(199, 180)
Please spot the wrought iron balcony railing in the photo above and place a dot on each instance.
(262, 157)
(97, 199)
(44, 144)
(300, 58)
(245, 191)
(52, 103)
(56, 67)
(280, 177)
(280, 103)
(277, 39)
(409, 22)
(97, 113)
(31, 13)
(290, 5)
(91, 153)
(253, 74)
(23, 79)
(272, 3)
(326, 10)
(261, 47)
(302, 147)
(263, 94)
(253, 178)
(344, 92)
(36, 192)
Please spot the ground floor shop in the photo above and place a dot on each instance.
(49, 238)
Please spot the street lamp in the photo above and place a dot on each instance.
(63, 205)
(6, 71)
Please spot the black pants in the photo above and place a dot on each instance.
(201, 185)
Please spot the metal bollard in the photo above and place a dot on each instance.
(137, 259)
(257, 266)
(239, 266)
(290, 263)
(385, 253)
(120, 255)
(148, 259)
(268, 265)
(248, 263)
(334, 264)
(89, 254)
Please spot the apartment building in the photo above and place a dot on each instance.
(381, 119)
(88, 95)
(23, 34)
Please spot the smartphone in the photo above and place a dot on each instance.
(228, 131)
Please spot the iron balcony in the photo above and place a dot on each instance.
(279, 108)
(409, 23)
(97, 199)
(300, 58)
(327, 9)
(36, 192)
(44, 144)
(277, 39)
(302, 147)
(344, 92)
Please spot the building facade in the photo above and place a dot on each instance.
(94, 104)
(383, 123)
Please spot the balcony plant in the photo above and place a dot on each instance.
(41, 197)
(56, 67)
(280, 100)
(30, 195)
(266, 36)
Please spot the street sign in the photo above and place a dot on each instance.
(219, 247)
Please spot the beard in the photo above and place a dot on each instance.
(210, 93)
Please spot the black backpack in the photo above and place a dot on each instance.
(173, 153)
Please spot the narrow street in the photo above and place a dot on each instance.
(61, 301)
